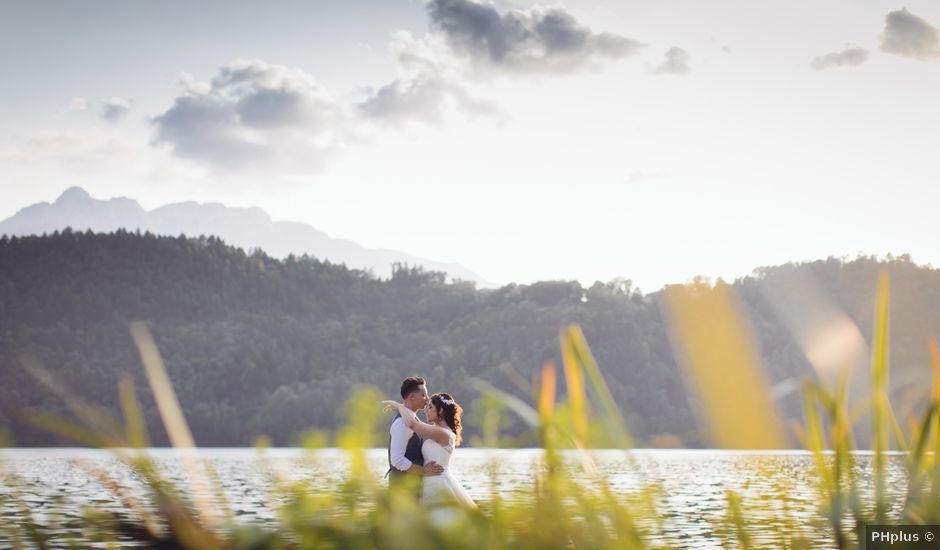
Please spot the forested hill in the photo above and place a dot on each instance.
(258, 346)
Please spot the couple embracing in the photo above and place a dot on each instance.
(419, 452)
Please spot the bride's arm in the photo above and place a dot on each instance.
(425, 430)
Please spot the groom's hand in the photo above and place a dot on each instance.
(432, 469)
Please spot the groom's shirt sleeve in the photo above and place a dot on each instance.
(400, 436)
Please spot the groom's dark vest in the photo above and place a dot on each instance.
(412, 453)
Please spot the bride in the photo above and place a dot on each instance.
(441, 435)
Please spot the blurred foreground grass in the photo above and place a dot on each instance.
(567, 505)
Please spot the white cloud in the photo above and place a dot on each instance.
(98, 155)
(69, 147)
(423, 98)
(676, 63)
(430, 84)
(77, 104)
(849, 57)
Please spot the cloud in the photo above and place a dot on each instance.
(256, 116)
(536, 40)
(424, 98)
(76, 151)
(676, 63)
(637, 177)
(100, 154)
(850, 57)
(430, 53)
(430, 85)
(250, 114)
(114, 109)
(908, 35)
(77, 104)
(724, 47)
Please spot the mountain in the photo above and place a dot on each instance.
(246, 228)
(260, 346)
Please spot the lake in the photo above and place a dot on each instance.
(777, 486)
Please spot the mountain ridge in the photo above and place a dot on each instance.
(242, 227)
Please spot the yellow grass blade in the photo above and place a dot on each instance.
(814, 440)
(170, 411)
(359, 434)
(130, 503)
(66, 429)
(935, 424)
(547, 393)
(95, 418)
(173, 420)
(935, 370)
(576, 392)
(736, 518)
(513, 403)
(573, 338)
(717, 352)
(135, 429)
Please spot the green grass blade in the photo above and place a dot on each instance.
(576, 345)
(881, 416)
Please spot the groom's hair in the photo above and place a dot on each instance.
(410, 385)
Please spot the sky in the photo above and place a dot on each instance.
(653, 140)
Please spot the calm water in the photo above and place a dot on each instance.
(690, 484)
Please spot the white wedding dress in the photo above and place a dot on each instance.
(443, 493)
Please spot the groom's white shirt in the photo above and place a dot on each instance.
(400, 435)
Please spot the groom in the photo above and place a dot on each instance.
(405, 461)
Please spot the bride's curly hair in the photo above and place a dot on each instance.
(450, 411)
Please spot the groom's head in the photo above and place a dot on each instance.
(414, 393)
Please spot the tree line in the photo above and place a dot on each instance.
(259, 346)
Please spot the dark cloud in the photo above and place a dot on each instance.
(275, 108)
(114, 109)
(257, 116)
(676, 63)
(423, 98)
(201, 127)
(908, 35)
(251, 111)
(536, 40)
(850, 57)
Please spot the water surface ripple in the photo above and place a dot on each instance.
(778, 487)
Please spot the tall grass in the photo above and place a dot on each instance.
(568, 504)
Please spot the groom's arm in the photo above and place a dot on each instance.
(400, 436)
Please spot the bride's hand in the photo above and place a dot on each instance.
(388, 406)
